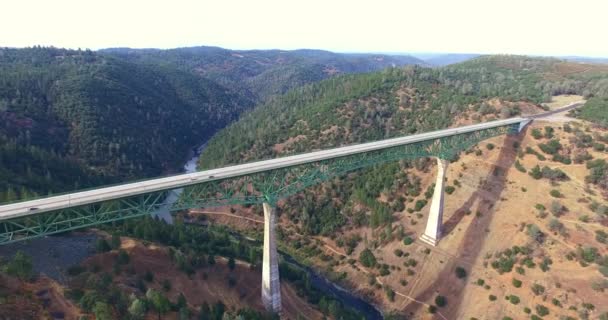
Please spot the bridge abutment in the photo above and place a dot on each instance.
(271, 286)
(432, 232)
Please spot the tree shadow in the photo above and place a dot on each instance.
(487, 195)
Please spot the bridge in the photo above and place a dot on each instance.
(262, 182)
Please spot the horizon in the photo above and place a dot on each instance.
(540, 28)
(422, 55)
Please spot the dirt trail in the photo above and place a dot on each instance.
(470, 247)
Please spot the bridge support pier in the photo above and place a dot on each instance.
(432, 232)
(271, 286)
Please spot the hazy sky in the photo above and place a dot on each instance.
(554, 27)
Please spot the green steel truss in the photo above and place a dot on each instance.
(262, 187)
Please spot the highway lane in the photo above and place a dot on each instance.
(569, 107)
(168, 183)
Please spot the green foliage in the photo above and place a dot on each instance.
(19, 266)
(420, 204)
(441, 301)
(460, 272)
(513, 299)
(102, 311)
(536, 173)
(541, 310)
(492, 297)
(367, 258)
(537, 289)
(552, 147)
(137, 309)
(158, 302)
(549, 132)
(390, 293)
(594, 110)
(450, 189)
(534, 232)
(408, 240)
(102, 246)
(536, 133)
(555, 193)
(598, 173)
(516, 283)
(74, 119)
(519, 166)
(369, 107)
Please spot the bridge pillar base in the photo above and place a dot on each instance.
(432, 232)
(271, 286)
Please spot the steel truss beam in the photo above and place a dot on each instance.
(258, 188)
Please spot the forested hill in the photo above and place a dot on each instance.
(70, 119)
(395, 102)
(260, 74)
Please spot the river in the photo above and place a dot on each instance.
(317, 281)
(52, 255)
(189, 167)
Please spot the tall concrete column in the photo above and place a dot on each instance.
(271, 287)
(432, 233)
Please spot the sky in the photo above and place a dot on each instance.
(538, 27)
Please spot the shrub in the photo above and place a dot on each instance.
(408, 240)
(492, 297)
(536, 173)
(432, 309)
(556, 302)
(490, 146)
(535, 233)
(537, 289)
(601, 236)
(527, 310)
(398, 252)
(536, 134)
(390, 293)
(513, 299)
(420, 204)
(516, 283)
(367, 258)
(551, 147)
(548, 132)
(461, 273)
(450, 189)
(556, 208)
(541, 310)
(441, 301)
(555, 193)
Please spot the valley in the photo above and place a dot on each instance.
(524, 226)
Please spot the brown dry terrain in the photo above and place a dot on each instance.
(207, 285)
(39, 299)
(488, 213)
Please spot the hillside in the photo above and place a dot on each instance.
(384, 208)
(71, 119)
(259, 74)
(75, 119)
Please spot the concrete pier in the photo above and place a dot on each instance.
(432, 233)
(271, 286)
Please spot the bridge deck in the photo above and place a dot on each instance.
(59, 202)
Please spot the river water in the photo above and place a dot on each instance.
(52, 255)
(189, 167)
(317, 281)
